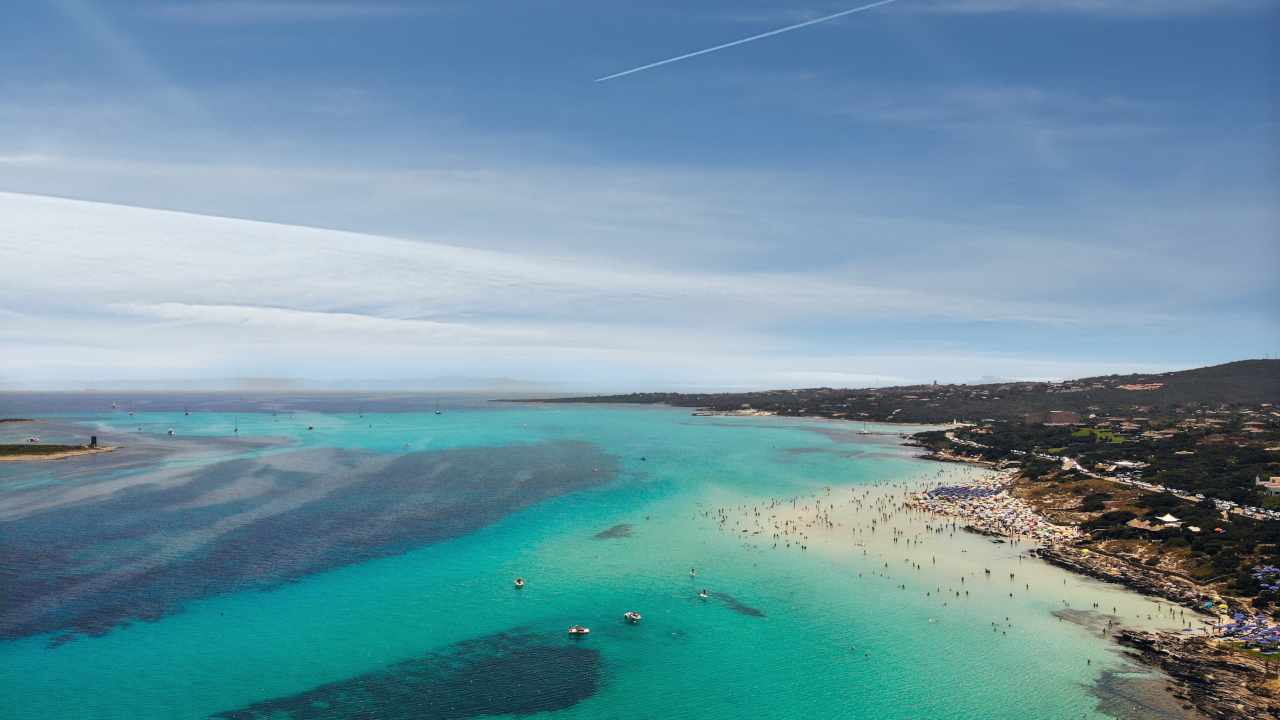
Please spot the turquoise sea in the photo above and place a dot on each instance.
(344, 557)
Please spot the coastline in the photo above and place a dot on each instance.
(1218, 683)
(702, 412)
(1095, 564)
(1208, 676)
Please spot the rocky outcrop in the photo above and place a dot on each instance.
(1110, 569)
(1218, 681)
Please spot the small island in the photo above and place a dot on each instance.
(36, 451)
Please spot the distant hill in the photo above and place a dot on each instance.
(1245, 382)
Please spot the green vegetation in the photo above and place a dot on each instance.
(1099, 435)
(1197, 460)
(1215, 549)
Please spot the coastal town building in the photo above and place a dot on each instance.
(1270, 486)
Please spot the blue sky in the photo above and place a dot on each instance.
(1010, 188)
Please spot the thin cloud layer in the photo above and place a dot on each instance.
(106, 288)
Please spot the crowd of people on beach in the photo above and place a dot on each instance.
(985, 504)
(903, 515)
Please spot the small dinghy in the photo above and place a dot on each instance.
(519, 583)
(703, 594)
(631, 616)
(579, 630)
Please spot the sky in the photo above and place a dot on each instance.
(950, 190)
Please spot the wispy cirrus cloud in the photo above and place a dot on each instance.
(247, 12)
(175, 292)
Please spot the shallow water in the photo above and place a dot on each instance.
(363, 568)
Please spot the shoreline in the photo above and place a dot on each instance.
(1098, 565)
(1208, 675)
(702, 412)
(1218, 683)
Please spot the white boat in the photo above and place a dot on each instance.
(579, 630)
(631, 616)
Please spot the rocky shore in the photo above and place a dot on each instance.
(1216, 681)
(1104, 567)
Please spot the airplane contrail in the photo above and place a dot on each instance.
(771, 33)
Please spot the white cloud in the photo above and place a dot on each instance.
(111, 290)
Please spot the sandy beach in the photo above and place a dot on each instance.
(886, 523)
(60, 455)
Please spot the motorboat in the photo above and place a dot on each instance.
(703, 594)
(579, 630)
(519, 583)
(631, 616)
